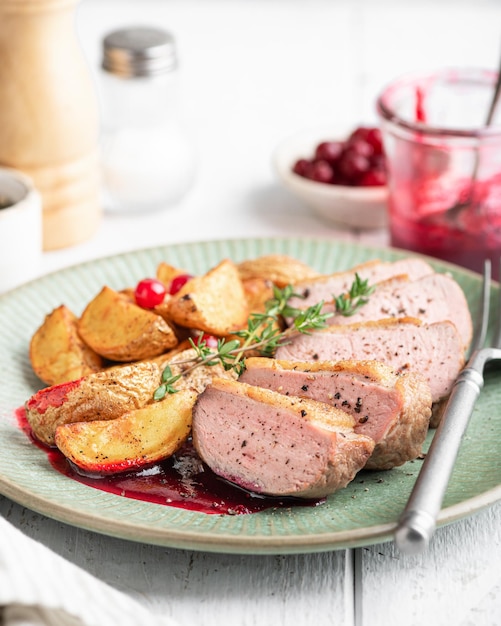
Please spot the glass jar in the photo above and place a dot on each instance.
(147, 158)
(444, 165)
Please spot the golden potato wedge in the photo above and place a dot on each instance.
(281, 269)
(257, 292)
(134, 440)
(214, 302)
(119, 330)
(57, 353)
(166, 272)
(101, 396)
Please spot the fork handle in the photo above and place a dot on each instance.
(418, 520)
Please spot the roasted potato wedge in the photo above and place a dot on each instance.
(257, 292)
(120, 330)
(281, 269)
(57, 353)
(214, 303)
(101, 396)
(166, 272)
(138, 438)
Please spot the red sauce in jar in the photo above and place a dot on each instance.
(420, 221)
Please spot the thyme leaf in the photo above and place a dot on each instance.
(347, 304)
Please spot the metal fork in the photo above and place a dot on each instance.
(418, 520)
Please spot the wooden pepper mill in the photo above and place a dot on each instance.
(49, 122)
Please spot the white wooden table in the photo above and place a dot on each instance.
(254, 72)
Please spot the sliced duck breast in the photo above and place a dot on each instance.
(434, 351)
(392, 409)
(432, 298)
(276, 445)
(326, 287)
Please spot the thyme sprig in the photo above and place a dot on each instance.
(347, 304)
(262, 335)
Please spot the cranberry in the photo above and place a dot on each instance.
(329, 151)
(360, 160)
(352, 166)
(373, 178)
(301, 167)
(209, 340)
(149, 293)
(378, 163)
(375, 138)
(321, 172)
(360, 147)
(178, 282)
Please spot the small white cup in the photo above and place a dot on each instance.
(20, 229)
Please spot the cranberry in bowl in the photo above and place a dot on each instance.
(339, 174)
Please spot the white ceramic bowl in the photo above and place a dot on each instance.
(355, 207)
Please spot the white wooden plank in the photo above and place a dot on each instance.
(203, 588)
(457, 581)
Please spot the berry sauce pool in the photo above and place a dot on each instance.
(182, 481)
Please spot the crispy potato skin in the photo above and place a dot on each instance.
(214, 303)
(280, 269)
(119, 330)
(101, 396)
(57, 352)
(134, 440)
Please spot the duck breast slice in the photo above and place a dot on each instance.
(434, 351)
(276, 445)
(432, 298)
(324, 287)
(392, 409)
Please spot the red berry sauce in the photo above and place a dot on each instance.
(420, 223)
(183, 482)
(52, 396)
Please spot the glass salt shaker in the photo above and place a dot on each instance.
(147, 157)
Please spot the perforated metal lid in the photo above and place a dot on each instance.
(139, 51)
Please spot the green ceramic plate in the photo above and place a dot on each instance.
(363, 513)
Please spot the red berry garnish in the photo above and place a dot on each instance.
(178, 282)
(209, 340)
(149, 293)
